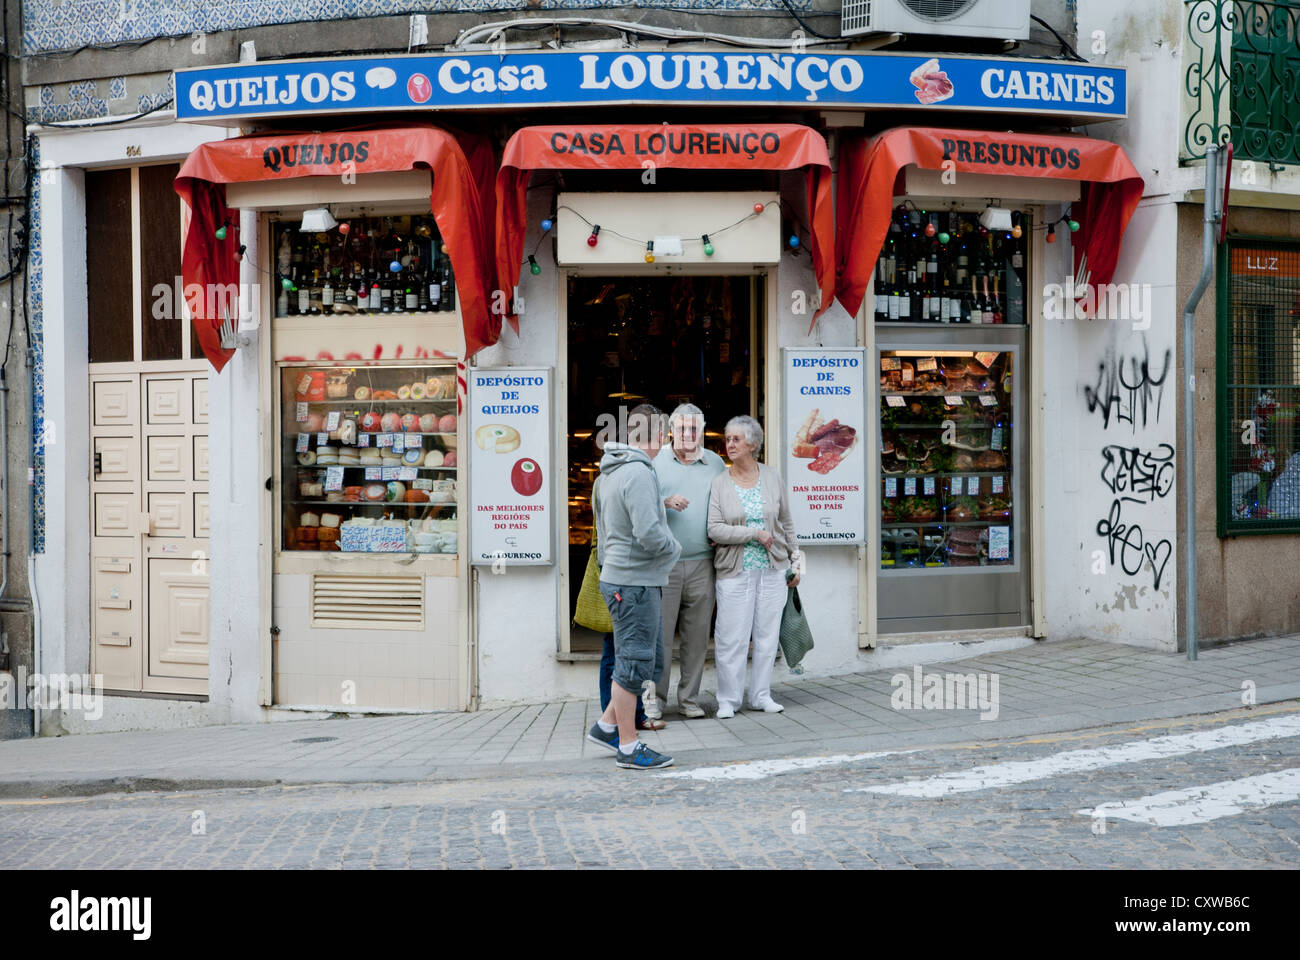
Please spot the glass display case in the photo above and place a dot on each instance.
(368, 459)
(947, 472)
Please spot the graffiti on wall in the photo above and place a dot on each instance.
(1128, 390)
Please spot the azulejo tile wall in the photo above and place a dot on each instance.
(90, 99)
(68, 24)
(35, 323)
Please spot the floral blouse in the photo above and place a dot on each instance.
(755, 556)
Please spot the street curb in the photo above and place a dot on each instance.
(910, 741)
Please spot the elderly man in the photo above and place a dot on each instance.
(686, 471)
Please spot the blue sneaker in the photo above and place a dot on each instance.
(643, 758)
(597, 735)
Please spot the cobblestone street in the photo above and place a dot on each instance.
(798, 811)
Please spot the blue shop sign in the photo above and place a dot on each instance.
(819, 81)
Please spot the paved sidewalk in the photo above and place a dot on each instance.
(1047, 688)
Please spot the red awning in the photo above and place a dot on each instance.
(869, 179)
(461, 169)
(776, 146)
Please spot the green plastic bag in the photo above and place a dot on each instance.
(796, 638)
(590, 610)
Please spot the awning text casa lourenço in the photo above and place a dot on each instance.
(600, 143)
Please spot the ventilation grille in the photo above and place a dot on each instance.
(855, 16)
(367, 603)
(938, 10)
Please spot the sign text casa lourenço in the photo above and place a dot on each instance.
(810, 80)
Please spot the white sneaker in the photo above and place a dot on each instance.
(691, 711)
(725, 713)
(650, 701)
(772, 707)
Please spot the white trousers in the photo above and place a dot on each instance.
(749, 605)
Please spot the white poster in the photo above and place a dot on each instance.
(825, 465)
(511, 498)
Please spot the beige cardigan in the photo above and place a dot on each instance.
(727, 523)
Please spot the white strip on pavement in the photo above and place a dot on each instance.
(760, 769)
(1178, 808)
(1080, 761)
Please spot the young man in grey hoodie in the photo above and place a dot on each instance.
(636, 552)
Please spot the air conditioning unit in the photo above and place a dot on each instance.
(1000, 19)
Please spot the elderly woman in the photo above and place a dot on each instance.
(749, 520)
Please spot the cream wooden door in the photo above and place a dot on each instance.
(149, 516)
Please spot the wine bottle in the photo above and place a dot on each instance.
(945, 302)
(895, 295)
(997, 302)
(448, 286)
(435, 288)
(963, 262)
(422, 290)
(882, 295)
(327, 296)
(376, 298)
(411, 300)
(304, 295)
(386, 293)
(987, 302)
(932, 282)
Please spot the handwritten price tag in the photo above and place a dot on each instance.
(322, 438)
(303, 440)
(909, 487)
(929, 486)
(988, 400)
(995, 438)
(383, 439)
(890, 363)
(300, 412)
(894, 401)
(997, 484)
(399, 443)
(999, 543)
(333, 478)
(908, 373)
(363, 439)
(406, 473)
(373, 473)
(972, 486)
(926, 363)
(332, 420)
(952, 400)
(390, 473)
(891, 487)
(986, 358)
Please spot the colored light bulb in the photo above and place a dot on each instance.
(650, 251)
(595, 232)
(708, 247)
(1017, 232)
(944, 236)
(758, 208)
(533, 266)
(930, 230)
(546, 225)
(1051, 234)
(1074, 226)
(793, 241)
(221, 232)
(286, 283)
(395, 266)
(344, 227)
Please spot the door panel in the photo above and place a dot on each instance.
(178, 619)
(166, 400)
(150, 517)
(115, 403)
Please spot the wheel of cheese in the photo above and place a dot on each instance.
(374, 491)
(433, 458)
(497, 438)
(306, 458)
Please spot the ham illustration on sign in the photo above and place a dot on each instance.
(932, 84)
(826, 444)
(418, 88)
(526, 477)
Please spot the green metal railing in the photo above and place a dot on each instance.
(1242, 79)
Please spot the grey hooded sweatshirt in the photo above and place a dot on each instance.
(633, 544)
